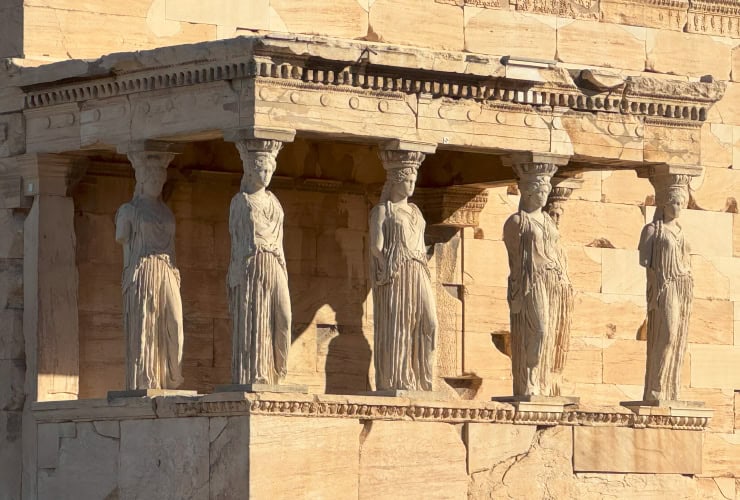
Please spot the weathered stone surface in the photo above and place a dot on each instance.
(621, 273)
(715, 366)
(584, 362)
(687, 54)
(709, 280)
(318, 457)
(485, 263)
(11, 453)
(711, 322)
(650, 14)
(545, 471)
(624, 362)
(584, 268)
(489, 445)
(717, 189)
(716, 145)
(164, 458)
(736, 235)
(394, 455)
(61, 34)
(437, 26)
(253, 14)
(623, 186)
(587, 223)
(721, 455)
(343, 19)
(12, 378)
(87, 466)
(229, 458)
(720, 401)
(608, 315)
(601, 44)
(505, 32)
(611, 449)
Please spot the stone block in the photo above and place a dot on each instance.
(317, 457)
(421, 459)
(716, 189)
(709, 281)
(601, 44)
(607, 315)
(436, 25)
(12, 378)
(721, 401)
(506, 32)
(737, 413)
(687, 54)
(716, 145)
(195, 244)
(102, 195)
(11, 452)
(621, 272)
(599, 134)
(202, 295)
(712, 322)
(11, 29)
(628, 450)
(624, 362)
(252, 14)
(488, 444)
(623, 186)
(164, 458)
(87, 465)
(726, 110)
(11, 225)
(602, 395)
(584, 362)
(343, 18)
(62, 34)
(329, 301)
(721, 455)
(96, 242)
(679, 144)
(737, 323)
(342, 356)
(715, 366)
(486, 309)
(587, 223)
(584, 268)
(707, 233)
(229, 458)
(486, 262)
(736, 235)
(99, 288)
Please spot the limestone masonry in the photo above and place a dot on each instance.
(455, 249)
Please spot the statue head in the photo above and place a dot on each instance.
(150, 175)
(674, 203)
(399, 183)
(534, 192)
(259, 160)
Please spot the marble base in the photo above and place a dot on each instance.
(281, 388)
(668, 408)
(404, 393)
(552, 404)
(149, 393)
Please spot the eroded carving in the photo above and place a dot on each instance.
(259, 301)
(540, 294)
(152, 307)
(403, 298)
(664, 253)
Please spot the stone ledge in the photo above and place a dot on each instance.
(352, 407)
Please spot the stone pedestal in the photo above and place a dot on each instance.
(148, 393)
(669, 408)
(402, 393)
(551, 404)
(256, 388)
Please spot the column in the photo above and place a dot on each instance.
(405, 312)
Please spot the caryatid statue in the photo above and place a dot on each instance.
(540, 295)
(259, 301)
(152, 308)
(664, 253)
(405, 315)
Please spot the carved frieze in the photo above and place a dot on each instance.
(714, 17)
(453, 206)
(577, 9)
(662, 14)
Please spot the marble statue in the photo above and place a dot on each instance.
(152, 308)
(540, 295)
(403, 298)
(664, 253)
(259, 301)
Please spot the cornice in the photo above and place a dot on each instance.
(268, 64)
